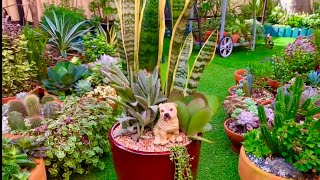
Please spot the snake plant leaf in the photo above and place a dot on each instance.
(183, 116)
(199, 120)
(199, 138)
(181, 72)
(176, 43)
(204, 57)
(149, 35)
(162, 28)
(195, 105)
(176, 7)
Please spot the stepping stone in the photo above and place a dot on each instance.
(275, 30)
(281, 31)
(295, 32)
(303, 32)
(288, 32)
(310, 32)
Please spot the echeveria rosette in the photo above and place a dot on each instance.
(270, 115)
(248, 120)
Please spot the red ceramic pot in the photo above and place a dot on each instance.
(6, 100)
(238, 75)
(36, 90)
(235, 37)
(128, 163)
(273, 83)
(235, 138)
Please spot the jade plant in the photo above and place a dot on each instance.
(194, 112)
(295, 134)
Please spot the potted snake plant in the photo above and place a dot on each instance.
(131, 139)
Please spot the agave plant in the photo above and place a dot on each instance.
(110, 34)
(62, 34)
(140, 96)
(314, 78)
(63, 77)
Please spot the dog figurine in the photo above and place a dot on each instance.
(167, 127)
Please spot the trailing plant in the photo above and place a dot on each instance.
(194, 112)
(77, 137)
(63, 77)
(296, 142)
(63, 34)
(18, 74)
(181, 159)
(97, 46)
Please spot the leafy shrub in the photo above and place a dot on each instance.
(296, 20)
(77, 137)
(277, 16)
(18, 73)
(97, 46)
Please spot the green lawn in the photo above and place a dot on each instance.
(217, 161)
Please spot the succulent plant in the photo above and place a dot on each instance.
(248, 120)
(314, 78)
(102, 92)
(46, 99)
(21, 95)
(16, 121)
(82, 87)
(239, 92)
(233, 102)
(35, 121)
(63, 77)
(32, 104)
(51, 109)
(246, 89)
(18, 106)
(194, 112)
(105, 60)
(140, 97)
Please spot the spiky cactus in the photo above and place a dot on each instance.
(46, 99)
(16, 121)
(32, 103)
(21, 95)
(35, 121)
(18, 106)
(50, 109)
(246, 89)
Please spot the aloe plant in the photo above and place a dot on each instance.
(62, 34)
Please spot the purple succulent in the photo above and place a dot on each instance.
(248, 120)
(270, 115)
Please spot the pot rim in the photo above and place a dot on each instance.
(229, 130)
(270, 93)
(246, 160)
(164, 153)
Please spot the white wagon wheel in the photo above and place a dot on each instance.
(225, 46)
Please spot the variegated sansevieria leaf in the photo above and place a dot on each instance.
(176, 43)
(149, 35)
(181, 72)
(205, 56)
(176, 8)
(162, 29)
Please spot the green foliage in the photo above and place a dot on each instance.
(74, 15)
(194, 112)
(51, 109)
(277, 16)
(181, 159)
(101, 9)
(254, 144)
(17, 72)
(16, 121)
(97, 46)
(140, 97)
(32, 104)
(36, 43)
(62, 33)
(15, 163)
(63, 77)
(304, 20)
(82, 87)
(77, 137)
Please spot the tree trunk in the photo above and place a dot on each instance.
(295, 6)
(34, 12)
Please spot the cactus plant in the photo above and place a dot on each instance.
(35, 121)
(32, 104)
(16, 121)
(50, 109)
(21, 95)
(246, 89)
(18, 106)
(82, 87)
(46, 99)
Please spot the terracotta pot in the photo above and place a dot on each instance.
(155, 165)
(6, 100)
(38, 172)
(238, 73)
(224, 34)
(273, 83)
(36, 90)
(207, 35)
(235, 138)
(249, 171)
(235, 37)
(260, 102)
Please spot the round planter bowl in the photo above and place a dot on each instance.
(274, 84)
(237, 75)
(249, 171)
(38, 172)
(131, 164)
(260, 102)
(235, 138)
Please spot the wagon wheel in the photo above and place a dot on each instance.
(225, 46)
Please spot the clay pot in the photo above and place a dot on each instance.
(249, 171)
(36, 90)
(6, 100)
(38, 172)
(155, 165)
(235, 138)
(235, 37)
(238, 73)
(260, 102)
(273, 83)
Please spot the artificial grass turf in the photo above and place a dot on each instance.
(217, 160)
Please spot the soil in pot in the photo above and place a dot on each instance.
(279, 167)
(235, 134)
(261, 96)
